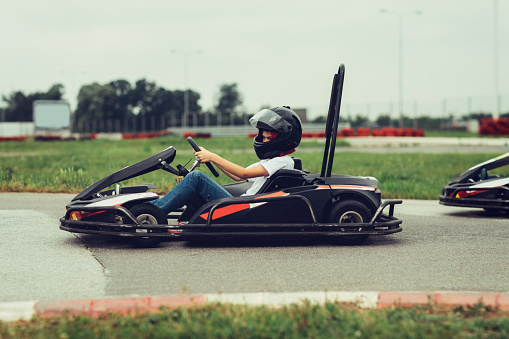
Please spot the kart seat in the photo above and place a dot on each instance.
(236, 189)
(283, 178)
(297, 163)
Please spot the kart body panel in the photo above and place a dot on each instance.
(476, 188)
(148, 165)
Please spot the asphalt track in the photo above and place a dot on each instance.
(442, 251)
(444, 254)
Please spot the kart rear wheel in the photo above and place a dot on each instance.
(350, 212)
(148, 214)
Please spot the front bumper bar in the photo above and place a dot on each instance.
(475, 203)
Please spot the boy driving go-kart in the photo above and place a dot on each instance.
(279, 133)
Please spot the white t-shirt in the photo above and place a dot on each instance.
(272, 166)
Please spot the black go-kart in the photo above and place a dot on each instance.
(477, 188)
(292, 203)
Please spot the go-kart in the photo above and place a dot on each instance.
(291, 203)
(476, 188)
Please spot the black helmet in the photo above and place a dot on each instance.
(282, 120)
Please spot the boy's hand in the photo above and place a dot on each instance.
(204, 155)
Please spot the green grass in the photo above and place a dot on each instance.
(73, 165)
(295, 321)
(452, 134)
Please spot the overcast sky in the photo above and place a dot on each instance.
(278, 52)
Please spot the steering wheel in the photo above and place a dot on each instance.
(197, 149)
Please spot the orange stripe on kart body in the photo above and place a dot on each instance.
(230, 209)
(349, 187)
(463, 194)
(273, 195)
(227, 210)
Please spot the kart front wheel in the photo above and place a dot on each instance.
(350, 212)
(148, 214)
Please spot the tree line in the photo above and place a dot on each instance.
(144, 105)
(120, 105)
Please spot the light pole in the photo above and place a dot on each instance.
(186, 80)
(2, 116)
(73, 101)
(496, 109)
(73, 75)
(400, 16)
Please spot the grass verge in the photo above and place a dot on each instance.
(69, 167)
(331, 320)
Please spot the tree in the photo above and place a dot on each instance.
(319, 120)
(143, 105)
(178, 107)
(229, 99)
(95, 104)
(383, 120)
(143, 96)
(54, 93)
(20, 106)
(122, 107)
(360, 121)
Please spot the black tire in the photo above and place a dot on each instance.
(148, 214)
(350, 212)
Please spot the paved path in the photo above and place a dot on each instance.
(425, 141)
(418, 144)
(40, 260)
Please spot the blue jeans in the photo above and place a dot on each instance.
(194, 186)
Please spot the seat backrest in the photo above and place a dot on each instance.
(236, 189)
(284, 178)
(297, 163)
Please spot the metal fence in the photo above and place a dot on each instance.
(455, 107)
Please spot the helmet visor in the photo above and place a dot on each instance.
(269, 120)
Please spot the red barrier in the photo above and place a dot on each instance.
(197, 135)
(13, 139)
(418, 133)
(144, 135)
(347, 132)
(363, 132)
(313, 134)
(48, 137)
(498, 127)
(389, 132)
(397, 132)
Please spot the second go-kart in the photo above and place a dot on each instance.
(290, 203)
(477, 188)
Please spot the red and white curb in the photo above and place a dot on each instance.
(17, 310)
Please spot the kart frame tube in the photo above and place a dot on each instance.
(389, 225)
